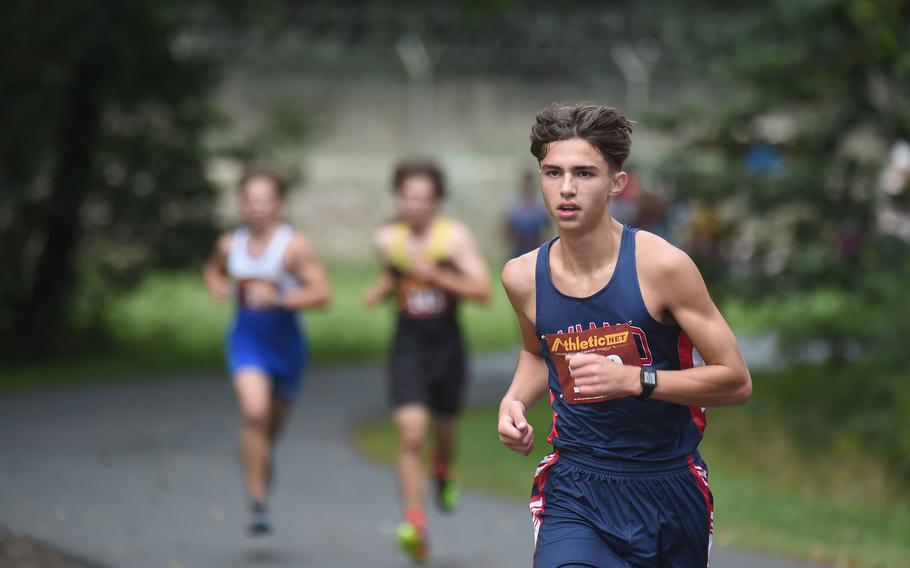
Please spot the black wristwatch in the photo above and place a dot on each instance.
(648, 382)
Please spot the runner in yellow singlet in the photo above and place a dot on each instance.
(429, 263)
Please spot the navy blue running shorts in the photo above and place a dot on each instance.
(587, 511)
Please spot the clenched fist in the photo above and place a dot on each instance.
(514, 430)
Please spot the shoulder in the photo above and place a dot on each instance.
(299, 244)
(382, 237)
(518, 275)
(664, 266)
(458, 231)
(224, 241)
(299, 238)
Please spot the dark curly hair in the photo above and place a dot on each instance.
(602, 127)
(262, 172)
(412, 168)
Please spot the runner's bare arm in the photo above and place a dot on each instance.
(471, 279)
(529, 384)
(725, 379)
(674, 290)
(380, 289)
(301, 261)
(384, 284)
(214, 271)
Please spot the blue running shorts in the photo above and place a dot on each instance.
(592, 512)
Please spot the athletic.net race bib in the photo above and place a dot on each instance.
(614, 342)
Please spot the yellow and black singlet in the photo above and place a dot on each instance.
(417, 298)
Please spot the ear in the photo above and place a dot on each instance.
(620, 179)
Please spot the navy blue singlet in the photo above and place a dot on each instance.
(625, 428)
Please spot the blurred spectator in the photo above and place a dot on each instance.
(652, 213)
(624, 207)
(706, 229)
(526, 222)
(894, 186)
(763, 160)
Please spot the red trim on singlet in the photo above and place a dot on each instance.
(638, 332)
(686, 352)
(699, 417)
(685, 348)
(701, 481)
(538, 499)
(553, 433)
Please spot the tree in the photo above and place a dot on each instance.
(101, 164)
(805, 102)
(811, 99)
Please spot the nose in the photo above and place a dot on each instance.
(567, 189)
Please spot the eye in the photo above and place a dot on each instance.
(551, 173)
(584, 174)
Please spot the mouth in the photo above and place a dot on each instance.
(567, 210)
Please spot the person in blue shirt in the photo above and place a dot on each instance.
(526, 222)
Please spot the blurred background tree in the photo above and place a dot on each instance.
(786, 165)
(101, 161)
(794, 216)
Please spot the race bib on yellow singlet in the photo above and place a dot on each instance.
(418, 299)
(614, 342)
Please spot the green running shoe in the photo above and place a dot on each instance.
(447, 495)
(412, 542)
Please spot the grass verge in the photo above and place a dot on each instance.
(169, 325)
(771, 494)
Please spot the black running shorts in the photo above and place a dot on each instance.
(427, 365)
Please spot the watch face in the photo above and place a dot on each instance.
(649, 377)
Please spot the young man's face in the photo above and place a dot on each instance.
(416, 200)
(260, 203)
(577, 183)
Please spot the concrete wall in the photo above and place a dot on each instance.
(477, 128)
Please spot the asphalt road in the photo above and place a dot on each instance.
(145, 474)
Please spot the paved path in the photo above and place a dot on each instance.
(145, 475)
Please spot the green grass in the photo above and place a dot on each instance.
(770, 495)
(170, 325)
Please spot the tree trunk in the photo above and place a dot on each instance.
(40, 320)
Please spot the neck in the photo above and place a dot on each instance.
(263, 230)
(587, 251)
(421, 227)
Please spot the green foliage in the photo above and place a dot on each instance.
(844, 408)
(821, 85)
(169, 325)
(101, 162)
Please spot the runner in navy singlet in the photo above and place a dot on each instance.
(618, 327)
(272, 272)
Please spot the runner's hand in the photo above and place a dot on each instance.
(379, 291)
(596, 375)
(373, 297)
(425, 270)
(261, 297)
(221, 291)
(514, 430)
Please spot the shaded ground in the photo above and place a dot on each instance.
(145, 475)
(22, 552)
